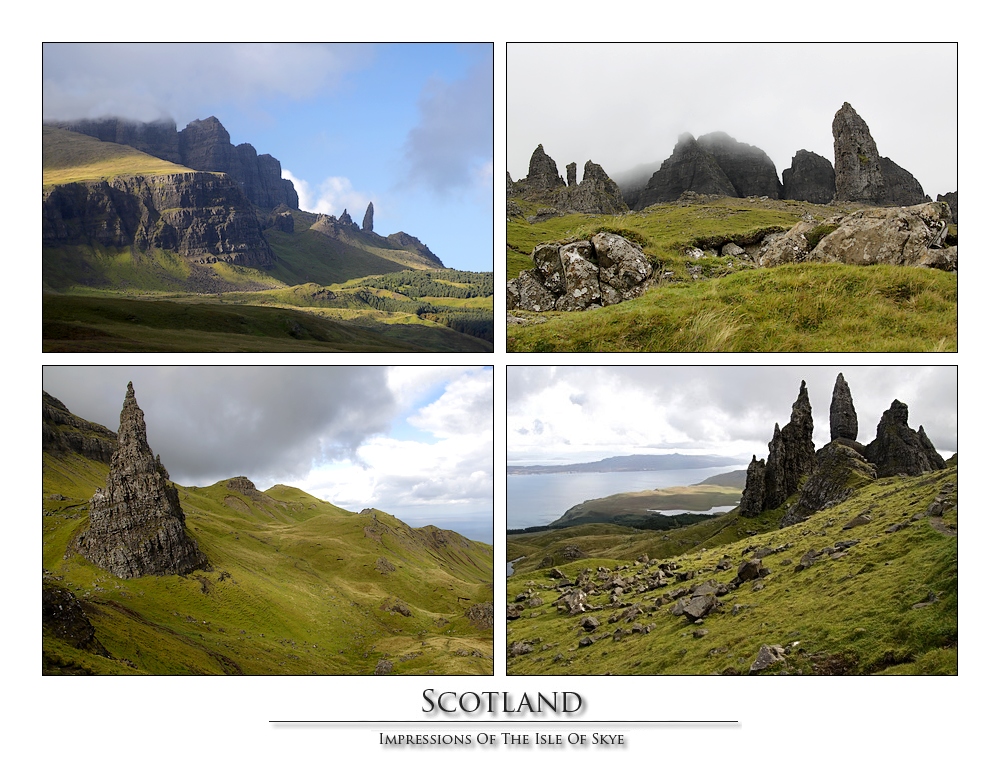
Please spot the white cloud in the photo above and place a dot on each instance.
(331, 197)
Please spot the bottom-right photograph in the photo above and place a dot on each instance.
(732, 520)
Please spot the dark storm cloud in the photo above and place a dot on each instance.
(184, 81)
(452, 144)
(211, 423)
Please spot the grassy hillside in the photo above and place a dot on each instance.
(885, 604)
(717, 304)
(331, 288)
(69, 157)
(296, 586)
(633, 508)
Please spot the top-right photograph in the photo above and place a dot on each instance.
(646, 211)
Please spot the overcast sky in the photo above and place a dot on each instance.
(406, 126)
(626, 104)
(414, 441)
(575, 414)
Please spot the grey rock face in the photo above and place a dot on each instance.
(368, 224)
(63, 431)
(571, 174)
(843, 417)
(906, 236)
(136, 523)
(811, 178)
(752, 502)
(596, 193)
(203, 217)
(205, 145)
(543, 173)
(952, 201)
(607, 269)
(791, 454)
(862, 175)
(157, 138)
(898, 449)
(840, 470)
(748, 168)
(689, 168)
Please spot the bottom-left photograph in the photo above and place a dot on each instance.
(267, 521)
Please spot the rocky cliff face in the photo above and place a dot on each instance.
(898, 449)
(203, 145)
(951, 199)
(202, 216)
(136, 522)
(368, 224)
(63, 431)
(811, 178)
(862, 175)
(596, 193)
(840, 470)
(543, 174)
(713, 164)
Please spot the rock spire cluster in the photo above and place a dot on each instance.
(595, 193)
(136, 521)
(827, 477)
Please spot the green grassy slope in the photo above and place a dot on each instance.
(69, 157)
(297, 586)
(888, 604)
(633, 507)
(733, 308)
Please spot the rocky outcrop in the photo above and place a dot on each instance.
(810, 179)
(840, 470)
(543, 174)
(281, 218)
(748, 168)
(201, 216)
(898, 449)
(571, 174)
(843, 417)
(952, 200)
(368, 224)
(906, 236)
(862, 175)
(136, 523)
(714, 164)
(64, 617)
(205, 145)
(791, 454)
(403, 241)
(63, 432)
(752, 502)
(606, 269)
(689, 168)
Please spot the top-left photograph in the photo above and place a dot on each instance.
(249, 197)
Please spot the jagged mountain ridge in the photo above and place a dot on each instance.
(296, 586)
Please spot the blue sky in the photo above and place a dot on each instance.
(406, 126)
(413, 441)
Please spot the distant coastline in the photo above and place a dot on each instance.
(669, 462)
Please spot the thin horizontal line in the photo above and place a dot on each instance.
(503, 722)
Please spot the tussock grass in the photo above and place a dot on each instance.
(858, 613)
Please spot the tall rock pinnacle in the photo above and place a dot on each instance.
(843, 418)
(368, 224)
(136, 522)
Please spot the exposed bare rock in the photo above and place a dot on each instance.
(898, 449)
(749, 169)
(543, 174)
(840, 470)
(907, 236)
(63, 431)
(843, 417)
(689, 168)
(64, 617)
(157, 138)
(791, 454)
(810, 179)
(952, 200)
(752, 502)
(368, 224)
(597, 193)
(606, 269)
(136, 523)
(571, 174)
(862, 175)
